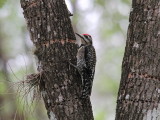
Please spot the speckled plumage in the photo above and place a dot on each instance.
(86, 61)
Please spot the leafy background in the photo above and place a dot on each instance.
(105, 20)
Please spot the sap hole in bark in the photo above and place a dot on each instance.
(52, 116)
(127, 97)
(136, 45)
(62, 42)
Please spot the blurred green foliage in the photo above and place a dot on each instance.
(100, 115)
(2, 2)
(105, 20)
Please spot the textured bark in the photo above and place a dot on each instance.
(139, 92)
(59, 83)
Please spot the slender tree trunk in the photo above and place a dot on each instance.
(139, 92)
(59, 83)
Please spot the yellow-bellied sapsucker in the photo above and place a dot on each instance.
(86, 61)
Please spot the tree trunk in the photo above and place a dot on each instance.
(139, 92)
(59, 83)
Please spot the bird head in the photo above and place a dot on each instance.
(86, 39)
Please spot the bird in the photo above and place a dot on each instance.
(86, 62)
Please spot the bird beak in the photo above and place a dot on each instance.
(79, 35)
